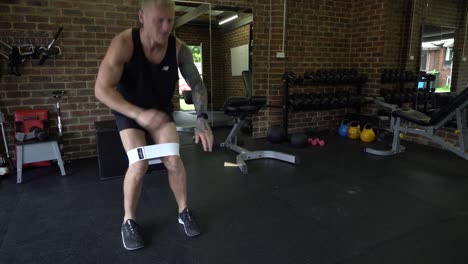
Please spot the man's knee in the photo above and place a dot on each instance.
(173, 163)
(138, 169)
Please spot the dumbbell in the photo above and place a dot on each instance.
(310, 77)
(39, 133)
(324, 101)
(353, 100)
(315, 101)
(306, 101)
(294, 102)
(289, 77)
(334, 102)
(342, 99)
(35, 133)
(363, 78)
(300, 102)
(316, 142)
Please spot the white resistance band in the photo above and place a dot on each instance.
(152, 152)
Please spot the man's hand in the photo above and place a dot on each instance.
(151, 119)
(203, 133)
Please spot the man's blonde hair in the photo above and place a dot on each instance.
(164, 3)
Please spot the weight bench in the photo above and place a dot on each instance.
(240, 108)
(421, 124)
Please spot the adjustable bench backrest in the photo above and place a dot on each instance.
(247, 76)
(446, 110)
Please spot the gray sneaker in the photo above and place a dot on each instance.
(131, 236)
(191, 226)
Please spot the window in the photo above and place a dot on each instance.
(425, 58)
(448, 57)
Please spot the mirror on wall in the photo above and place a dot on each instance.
(232, 30)
(437, 54)
(214, 33)
(198, 39)
(191, 28)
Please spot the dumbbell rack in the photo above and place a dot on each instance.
(403, 78)
(285, 104)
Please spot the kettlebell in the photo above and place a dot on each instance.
(354, 130)
(343, 129)
(367, 134)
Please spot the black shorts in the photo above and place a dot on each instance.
(124, 122)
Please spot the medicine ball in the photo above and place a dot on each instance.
(299, 140)
(275, 134)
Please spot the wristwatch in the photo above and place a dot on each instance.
(203, 115)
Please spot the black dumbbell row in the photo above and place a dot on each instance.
(324, 101)
(341, 76)
(397, 96)
(395, 75)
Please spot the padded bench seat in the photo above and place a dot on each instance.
(238, 106)
(413, 116)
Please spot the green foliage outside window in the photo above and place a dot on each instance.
(196, 53)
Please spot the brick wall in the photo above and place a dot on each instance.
(461, 49)
(316, 37)
(88, 28)
(320, 34)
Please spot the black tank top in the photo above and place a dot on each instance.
(149, 85)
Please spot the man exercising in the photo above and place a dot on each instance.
(137, 79)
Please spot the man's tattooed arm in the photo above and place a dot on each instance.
(192, 76)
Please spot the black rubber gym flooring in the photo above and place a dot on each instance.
(340, 206)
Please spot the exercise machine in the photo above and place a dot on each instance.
(240, 108)
(415, 122)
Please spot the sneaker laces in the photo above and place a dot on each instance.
(188, 216)
(132, 227)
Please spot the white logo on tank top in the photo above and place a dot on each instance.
(165, 68)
